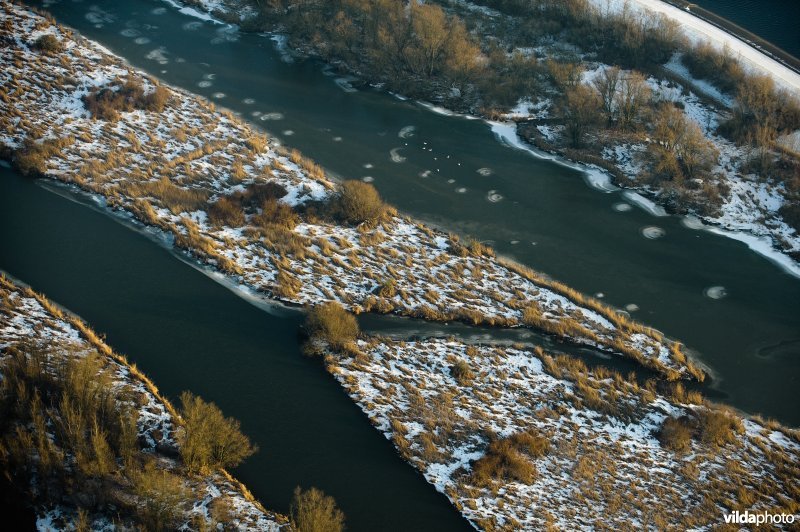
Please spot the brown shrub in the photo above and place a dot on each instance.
(225, 211)
(332, 323)
(313, 511)
(156, 100)
(175, 198)
(31, 158)
(676, 434)
(106, 103)
(461, 372)
(718, 428)
(48, 44)
(530, 443)
(502, 461)
(208, 440)
(358, 202)
(276, 213)
(256, 194)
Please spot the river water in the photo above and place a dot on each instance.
(190, 333)
(187, 332)
(773, 20)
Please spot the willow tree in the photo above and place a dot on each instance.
(207, 439)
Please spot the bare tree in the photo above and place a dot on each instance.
(313, 511)
(682, 151)
(581, 111)
(565, 74)
(606, 84)
(633, 93)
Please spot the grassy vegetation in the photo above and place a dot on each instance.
(106, 103)
(461, 372)
(226, 211)
(175, 198)
(31, 159)
(578, 439)
(70, 430)
(509, 459)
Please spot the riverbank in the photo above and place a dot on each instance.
(173, 168)
(522, 439)
(701, 30)
(49, 336)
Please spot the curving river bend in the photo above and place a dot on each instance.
(189, 333)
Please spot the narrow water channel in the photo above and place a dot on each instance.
(189, 333)
(738, 310)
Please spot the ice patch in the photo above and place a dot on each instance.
(345, 84)
(631, 307)
(282, 48)
(218, 95)
(98, 17)
(394, 154)
(484, 171)
(248, 101)
(651, 232)
(288, 132)
(691, 222)
(436, 109)
(493, 196)
(407, 132)
(644, 203)
(461, 190)
(272, 116)
(715, 292)
(204, 84)
(159, 55)
(367, 179)
(622, 207)
(598, 179)
(141, 40)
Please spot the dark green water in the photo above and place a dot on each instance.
(773, 20)
(188, 332)
(547, 218)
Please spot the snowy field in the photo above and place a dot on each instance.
(582, 450)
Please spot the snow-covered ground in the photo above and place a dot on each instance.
(749, 213)
(603, 466)
(28, 318)
(698, 30)
(191, 149)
